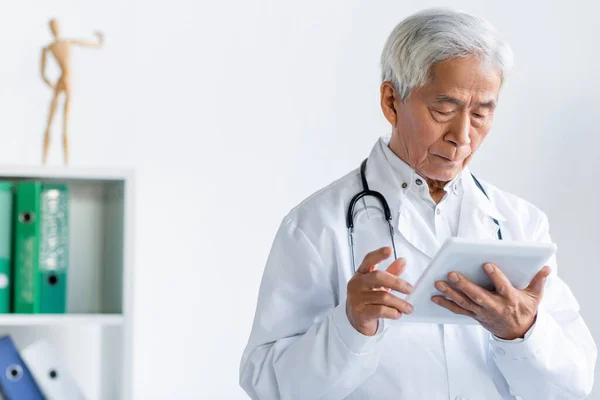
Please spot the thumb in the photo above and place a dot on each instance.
(397, 267)
(536, 286)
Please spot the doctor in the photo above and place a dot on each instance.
(324, 330)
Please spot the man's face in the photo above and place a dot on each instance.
(441, 124)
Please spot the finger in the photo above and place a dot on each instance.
(476, 294)
(389, 300)
(373, 258)
(503, 286)
(458, 297)
(378, 279)
(397, 267)
(536, 286)
(452, 306)
(380, 311)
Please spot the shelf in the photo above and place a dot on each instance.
(61, 319)
(64, 173)
(93, 337)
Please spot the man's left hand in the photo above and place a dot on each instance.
(507, 312)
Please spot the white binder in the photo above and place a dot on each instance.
(50, 373)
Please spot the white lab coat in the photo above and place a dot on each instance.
(303, 347)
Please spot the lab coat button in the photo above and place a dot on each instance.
(419, 182)
(459, 397)
(404, 185)
(500, 351)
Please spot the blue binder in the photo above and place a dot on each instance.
(16, 381)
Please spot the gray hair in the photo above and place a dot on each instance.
(431, 36)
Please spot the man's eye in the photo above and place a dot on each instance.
(445, 113)
(477, 115)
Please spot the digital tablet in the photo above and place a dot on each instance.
(519, 261)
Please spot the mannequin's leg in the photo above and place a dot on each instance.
(65, 126)
(48, 125)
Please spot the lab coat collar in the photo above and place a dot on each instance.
(384, 173)
(382, 177)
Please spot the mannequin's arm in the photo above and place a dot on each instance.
(89, 43)
(43, 67)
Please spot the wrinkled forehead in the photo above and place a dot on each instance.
(465, 75)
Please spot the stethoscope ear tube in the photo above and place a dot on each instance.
(350, 214)
(366, 192)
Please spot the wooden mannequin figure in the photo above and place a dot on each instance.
(60, 49)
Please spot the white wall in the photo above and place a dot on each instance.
(233, 112)
(251, 106)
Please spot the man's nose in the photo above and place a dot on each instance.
(460, 129)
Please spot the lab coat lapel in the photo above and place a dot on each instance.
(477, 212)
(414, 229)
(409, 223)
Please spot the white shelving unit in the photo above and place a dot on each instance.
(94, 337)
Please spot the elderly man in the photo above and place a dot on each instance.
(324, 330)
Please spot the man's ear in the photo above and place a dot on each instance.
(388, 102)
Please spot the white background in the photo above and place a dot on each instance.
(233, 111)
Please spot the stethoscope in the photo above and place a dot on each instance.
(386, 211)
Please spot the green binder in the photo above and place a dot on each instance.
(27, 235)
(41, 248)
(6, 205)
(54, 246)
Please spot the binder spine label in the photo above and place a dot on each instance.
(26, 271)
(54, 231)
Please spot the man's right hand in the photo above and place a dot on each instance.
(369, 296)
